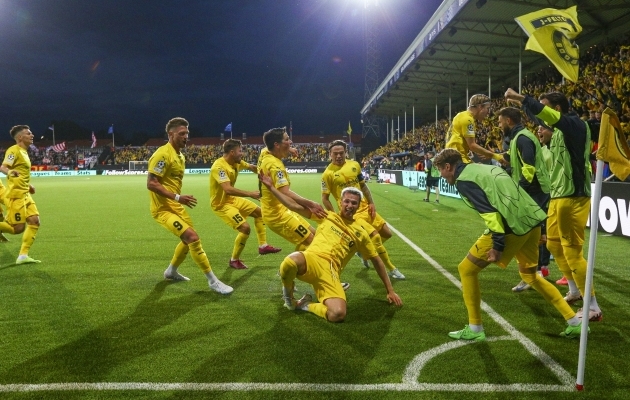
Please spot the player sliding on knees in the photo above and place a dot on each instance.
(338, 237)
(342, 173)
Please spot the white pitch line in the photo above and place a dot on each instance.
(282, 387)
(409, 384)
(563, 375)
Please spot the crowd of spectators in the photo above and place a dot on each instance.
(604, 82)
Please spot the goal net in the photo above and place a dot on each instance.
(138, 165)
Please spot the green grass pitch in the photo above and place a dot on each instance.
(97, 311)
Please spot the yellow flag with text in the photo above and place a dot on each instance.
(552, 32)
(349, 129)
(613, 145)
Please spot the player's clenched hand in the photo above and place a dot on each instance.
(372, 210)
(255, 195)
(188, 200)
(494, 255)
(394, 298)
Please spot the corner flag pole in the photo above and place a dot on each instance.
(590, 266)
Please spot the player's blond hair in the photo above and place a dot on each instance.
(354, 191)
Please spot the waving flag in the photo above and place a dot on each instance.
(110, 131)
(613, 147)
(58, 148)
(349, 129)
(93, 140)
(552, 32)
(228, 127)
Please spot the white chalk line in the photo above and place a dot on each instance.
(409, 381)
(563, 375)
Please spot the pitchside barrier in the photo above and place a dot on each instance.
(614, 206)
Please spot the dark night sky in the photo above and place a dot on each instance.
(137, 63)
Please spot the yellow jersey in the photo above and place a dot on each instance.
(337, 240)
(463, 127)
(220, 172)
(168, 165)
(269, 164)
(336, 178)
(16, 158)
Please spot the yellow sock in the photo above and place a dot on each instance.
(575, 258)
(382, 252)
(318, 309)
(28, 238)
(469, 274)
(261, 231)
(181, 251)
(549, 292)
(199, 256)
(239, 245)
(6, 228)
(288, 272)
(556, 249)
(301, 247)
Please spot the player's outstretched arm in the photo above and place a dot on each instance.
(392, 297)
(326, 202)
(286, 200)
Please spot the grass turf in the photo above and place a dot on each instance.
(97, 310)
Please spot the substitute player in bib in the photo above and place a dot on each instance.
(513, 231)
(339, 236)
(342, 173)
(228, 203)
(276, 216)
(164, 181)
(462, 130)
(22, 214)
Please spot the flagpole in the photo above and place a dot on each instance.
(231, 129)
(590, 266)
(53, 129)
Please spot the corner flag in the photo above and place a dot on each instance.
(613, 145)
(552, 33)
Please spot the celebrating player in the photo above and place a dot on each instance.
(228, 203)
(342, 173)
(164, 181)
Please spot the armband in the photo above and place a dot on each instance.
(497, 156)
(177, 198)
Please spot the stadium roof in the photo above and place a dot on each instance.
(477, 44)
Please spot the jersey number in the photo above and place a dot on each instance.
(18, 217)
(301, 230)
(178, 225)
(237, 218)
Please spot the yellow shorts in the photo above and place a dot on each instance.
(566, 220)
(18, 210)
(377, 222)
(235, 212)
(524, 248)
(290, 226)
(174, 223)
(323, 277)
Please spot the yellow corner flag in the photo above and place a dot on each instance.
(551, 32)
(613, 145)
(349, 129)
